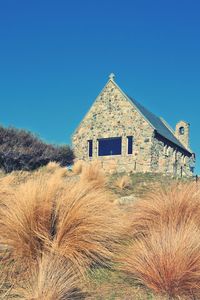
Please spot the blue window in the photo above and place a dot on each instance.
(90, 148)
(130, 144)
(110, 146)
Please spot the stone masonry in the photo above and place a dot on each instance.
(113, 115)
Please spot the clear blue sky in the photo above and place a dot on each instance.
(55, 57)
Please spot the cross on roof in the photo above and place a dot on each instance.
(112, 76)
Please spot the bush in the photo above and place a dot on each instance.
(123, 182)
(21, 150)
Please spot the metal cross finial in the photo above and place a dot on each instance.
(112, 76)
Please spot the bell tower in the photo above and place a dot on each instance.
(182, 133)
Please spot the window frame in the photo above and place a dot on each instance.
(129, 144)
(90, 148)
(101, 150)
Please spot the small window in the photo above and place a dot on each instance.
(110, 146)
(90, 148)
(130, 144)
(181, 130)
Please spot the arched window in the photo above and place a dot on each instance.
(181, 130)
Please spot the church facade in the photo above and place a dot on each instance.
(125, 136)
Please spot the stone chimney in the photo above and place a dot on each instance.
(182, 133)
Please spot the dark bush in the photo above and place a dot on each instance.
(22, 150)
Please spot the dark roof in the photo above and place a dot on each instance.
(158, 124)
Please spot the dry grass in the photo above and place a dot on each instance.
(72, 219)
(26, 217)
(176, 204)
(94, 174)
(5, 188)
(51, 278)
(110, 166)
(123, 182)
(52, 166)
(17, 177)
(3, 280)
(78, 167)
(167, 261)
(55, 228)
(88, 226)
(164, 254)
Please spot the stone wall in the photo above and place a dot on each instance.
(169, 159)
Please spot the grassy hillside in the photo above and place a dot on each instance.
(142, 183)
(83, 235)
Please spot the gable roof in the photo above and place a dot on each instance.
(158, 124)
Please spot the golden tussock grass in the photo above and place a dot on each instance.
(51, 278)
(18, 177)
(93, 173)
(5, 187)
(177, 203)
(167, 260)
(78, 167)
(88, 227)
(26, 217)
(72, 219)
(123, 182)
(164, 254)
(52, 166)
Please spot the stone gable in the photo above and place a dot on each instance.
(112, 115)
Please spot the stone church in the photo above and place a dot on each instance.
(124, 136)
